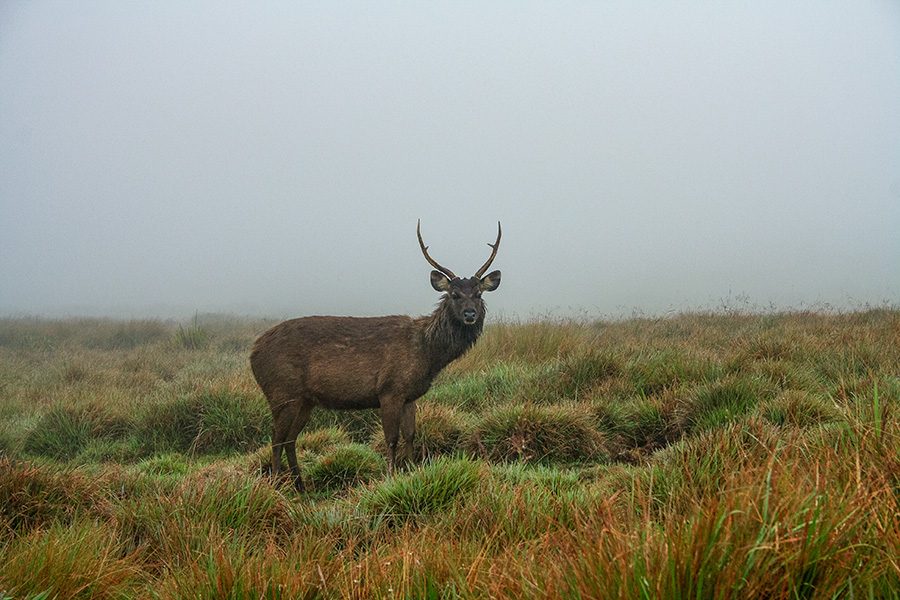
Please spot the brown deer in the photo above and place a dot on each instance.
(342, 363)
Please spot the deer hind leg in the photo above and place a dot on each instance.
(408, 430)
(284, 412)
(290, 445)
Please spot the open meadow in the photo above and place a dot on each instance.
(699, 455)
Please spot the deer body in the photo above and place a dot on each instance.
(342, 363)
(350, 362)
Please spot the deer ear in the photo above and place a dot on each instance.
(490, 282)
(439, 281)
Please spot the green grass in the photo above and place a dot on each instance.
(192, 336)
(345, 467)
(637, 423)
(700, 455)
(797, 408)
(81, 561)
(435, 487)
(560, 433)
(64, 432)
(475, 391)
(717, 404)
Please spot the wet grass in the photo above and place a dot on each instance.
(700, 455)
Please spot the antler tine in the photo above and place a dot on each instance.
(430, 260)
(495, 246)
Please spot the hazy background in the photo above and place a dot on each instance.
(162, 158)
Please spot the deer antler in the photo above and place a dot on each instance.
(495, 246)
(430, 260)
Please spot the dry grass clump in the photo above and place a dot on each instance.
(84, 560)
(344, 467)
(798, 408)
(32, 496)
(320, 441)
(537, 433)
(300, 570)
(764, 529)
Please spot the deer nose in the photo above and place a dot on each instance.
(469, 314)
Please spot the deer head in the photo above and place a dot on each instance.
(464, 294)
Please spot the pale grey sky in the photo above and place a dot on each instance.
(161, 158)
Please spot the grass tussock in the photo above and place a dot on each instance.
(577, 374)
(205, 422)
(762, 532)
(345, 467)
(797, 408)
(360, 425)
(32, 496)
(537, 433)
(638, 424)
(81, 561)
(653, 372)
(183, 520)
(717, 404)
(228, 572)
(434, 488)
(697, 455)
(192, 336)
(478, 390)
(320, 441)
(63, 432)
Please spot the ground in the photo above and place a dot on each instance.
(704, 455)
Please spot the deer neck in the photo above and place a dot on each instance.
(446, 339)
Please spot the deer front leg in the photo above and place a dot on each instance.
(391, 411)
(391, 414)
(408, 430)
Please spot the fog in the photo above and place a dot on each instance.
(166, 158)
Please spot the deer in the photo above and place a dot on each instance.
(350, 363)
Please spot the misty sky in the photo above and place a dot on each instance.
(162, 158)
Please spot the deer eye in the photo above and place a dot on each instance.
(454, 295)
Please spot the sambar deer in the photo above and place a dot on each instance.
(389, 362)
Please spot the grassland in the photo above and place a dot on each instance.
(701, 455)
